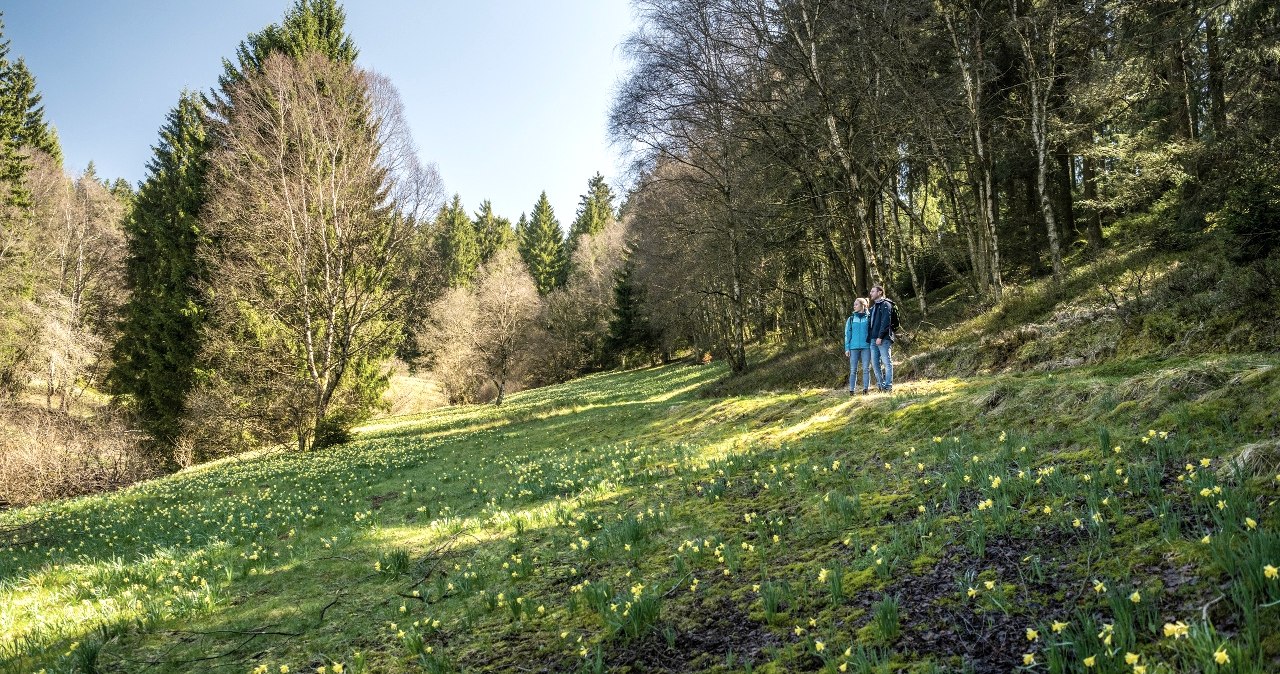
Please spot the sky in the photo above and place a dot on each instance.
(507, 98)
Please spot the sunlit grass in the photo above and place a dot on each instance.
(622, 516)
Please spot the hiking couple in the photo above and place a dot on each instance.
(868, 339)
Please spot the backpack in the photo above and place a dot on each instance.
(895, 323)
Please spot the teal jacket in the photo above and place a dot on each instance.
(855, 331)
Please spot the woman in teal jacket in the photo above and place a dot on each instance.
(856, 348)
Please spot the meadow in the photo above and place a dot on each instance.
(1110, 518)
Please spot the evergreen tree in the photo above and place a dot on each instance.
(309, 26)
(21, 94)
(542, 246)
(458, 244)
(493, 231)
(155, 356)
(595, 212)
(630, 333)
(22, 125)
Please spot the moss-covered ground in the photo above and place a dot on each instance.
(1102, 518)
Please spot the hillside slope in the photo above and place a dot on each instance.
(1090, 519)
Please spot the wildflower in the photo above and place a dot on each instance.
(1250, 523)
(1135, 597)
(1059, 626)
(995, 482)
(972, 593)
(1077, 523)
(1205, 540)
(1220, 656)
(1028, 659)
(1270, 571)
(1222, 505)
(1131, 658)
(822, 575)
(991, 584)
(799, 630)
(1139, 669)
(337, 668)
(1178, 630)
(1099, 587)
(284, 669)
(1032, 635)
(1204, 462)
(819, 646)
(1048, 510)
(1091, 661)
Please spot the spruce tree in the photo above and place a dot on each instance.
(155, 356)
(542, 246)
(458, 244)
(595, 212)
(308, 26)
(493, 231)
(22, 125)
(630, 333)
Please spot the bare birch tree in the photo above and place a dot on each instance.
(308, 241)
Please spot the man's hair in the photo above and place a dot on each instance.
(878, 287)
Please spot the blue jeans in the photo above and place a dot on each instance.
(856, 356)
(882, 363)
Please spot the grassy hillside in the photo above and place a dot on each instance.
(1098, 518)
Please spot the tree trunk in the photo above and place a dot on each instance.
(1066, 188)
(1093, 221)
(1213, 64)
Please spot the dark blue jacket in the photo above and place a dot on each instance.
(881, 321)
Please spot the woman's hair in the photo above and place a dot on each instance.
(860, 301)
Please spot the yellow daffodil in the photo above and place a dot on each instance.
(819, 646)
(990, 584)
(1135, 597)
(1270, 571)
(1090, 661)
(1220, 656)
(1131, 658)
(1058, 626)
(972, 593)
(1250, 523)
(1178, 630)
(1028, 659)
(1032, 635)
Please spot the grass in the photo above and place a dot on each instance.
(1093, 514)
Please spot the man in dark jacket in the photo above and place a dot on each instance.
(880, 338)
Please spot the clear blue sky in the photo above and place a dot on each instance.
(508, 98)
